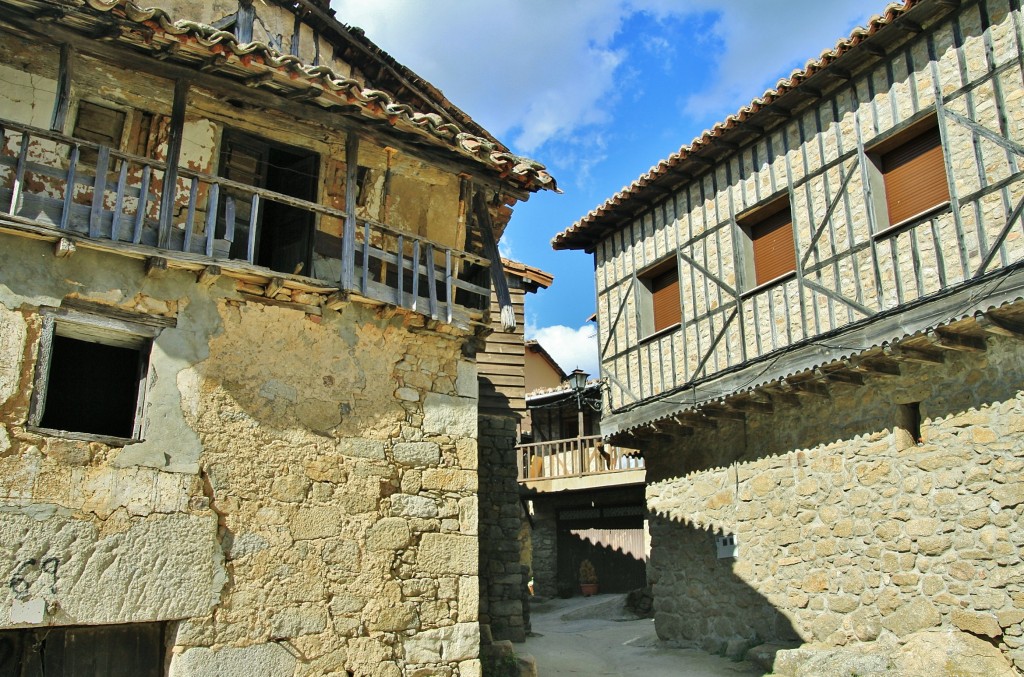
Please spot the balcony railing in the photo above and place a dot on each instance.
(67, 185)
(575, 457)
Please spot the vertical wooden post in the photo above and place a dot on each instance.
(115, 220)
(140, 214)
(19, 173)
(69, 189)
(211, 216)
(99, 189)
(348, 238)
(177, 126)
(245, 17)
(63, 98)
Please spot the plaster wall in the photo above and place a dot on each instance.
(303, 500)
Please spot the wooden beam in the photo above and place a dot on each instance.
(1001, 326)
(810, 388)
(908, 354)
(176, 130)
(723, 412)
(694, 420)
(257, 80)
(961, 342)
(208, 275)
(213, 63)
(748, 404)
(880, 367)
(843, 376)
(275, 285)
(63, 98)
(156, 265)
(64, 248)
(336, 300)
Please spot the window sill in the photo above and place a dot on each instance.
(661, 332)
(770, 283)
(910, 222)
(108, 440)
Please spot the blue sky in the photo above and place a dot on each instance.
(599, 91)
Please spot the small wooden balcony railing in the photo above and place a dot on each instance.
(575, 457)
(61, 184)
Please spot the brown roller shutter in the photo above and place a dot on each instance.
(915, 176)
(665, 293)
(772, 238)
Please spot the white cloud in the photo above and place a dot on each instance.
(570, 348)
(531, 71)
(760, 42)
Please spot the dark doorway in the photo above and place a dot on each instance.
(100, 651)
(614, 545)
(284, 234)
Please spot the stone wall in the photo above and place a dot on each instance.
(303, 502)
(848, 531)
(545, 549)
(501, 575)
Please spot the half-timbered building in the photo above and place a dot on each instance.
(810, 320)
(245, 262)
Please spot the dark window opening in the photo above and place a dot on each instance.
(92, 387)
(771, 237)
(136, 650)
(284, 234)
(908, 427)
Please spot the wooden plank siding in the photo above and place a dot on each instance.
(501, 365)
(964, 71)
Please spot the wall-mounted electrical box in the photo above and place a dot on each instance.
(726, 546)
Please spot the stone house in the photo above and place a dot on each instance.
(810, 320)
(244, 262)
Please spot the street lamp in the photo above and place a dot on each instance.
(578, 380)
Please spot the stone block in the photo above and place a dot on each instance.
(318, 522)
(390, 533)
(977, 623)
(912, 617)
(359, 447)
(296, 622)
(452, 416)
(404, 505)
(448, 554)
(260, 660)
(417, 454)
(450, 479)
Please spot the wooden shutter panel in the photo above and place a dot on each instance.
(915, 176)
(772, 239)
(665, 294)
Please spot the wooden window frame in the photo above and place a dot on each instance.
(650, 321)
(751, 223)
(880, 177)
(103, 330)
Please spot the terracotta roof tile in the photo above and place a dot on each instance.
(334, 88)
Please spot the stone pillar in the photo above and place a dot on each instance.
(501, 577)
(545, 550)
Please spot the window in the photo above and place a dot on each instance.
(100, 125)
(91, 374)
(769, 229)
(659, 297)
(910, 171)
(908, 425)
(284, 234)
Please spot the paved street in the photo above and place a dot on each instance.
(596, 637)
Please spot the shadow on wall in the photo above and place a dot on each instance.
(872, 514)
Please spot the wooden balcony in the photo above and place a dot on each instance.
(73, 191)
(577, 463)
